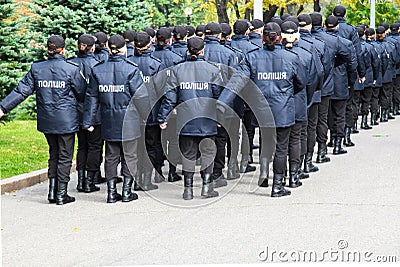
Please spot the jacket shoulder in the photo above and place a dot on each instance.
(293, 52)
(156, 59)
(305, 49)
(131, 62)
(72, 63)
(259, 46)
(234, 49)
(176, 53)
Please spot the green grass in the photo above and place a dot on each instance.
(22, 148)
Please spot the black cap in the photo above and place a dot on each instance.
(285, 16)
(257, 24)
(304, 20)
(200, 30)
(87, 39)
(142, 39)
(380, 30)
(293, 19)
(179, 32)
(240, 26)
(385, 25)
(225, 29)
(369, 32)
(150, 31)
(316, 19)
(212, 28)
(116, 42)
(163, 34)
(360, 31)
(129, 35)
(195, 45)
(339, 11)
(395, 27)
(55, 42)
(190, 30)
(277, 20)
(272, 28)
(101, 37)
(331, 22)
(289, 27)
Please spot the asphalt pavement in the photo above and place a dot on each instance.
(351, 206)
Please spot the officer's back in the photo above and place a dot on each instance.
(240, 40)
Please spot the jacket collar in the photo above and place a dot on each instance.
(254, 35)
(57, 56)
(238, 37)
(317, 29)
(211, 39)
(341, 20)
(304, 33)
(116, 57)
(200, 58)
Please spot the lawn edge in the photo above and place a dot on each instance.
(22, 181)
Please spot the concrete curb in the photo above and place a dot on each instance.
(25, 180)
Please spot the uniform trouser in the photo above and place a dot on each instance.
(232, 125)
(312, 127)
(295, 143)
(322, 125)
(375, 99)
(349, 109)
(82, 151)
(356, 104)
(124, 152)
(247, 141)
(281, 151)
(396, 90)
(190, 146)
(385, 94)
(171, 144)
(303, 138)
(337, 114)
(365, 100)
(61, 152)
(154, 148)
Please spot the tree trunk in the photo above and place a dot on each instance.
(317, 6)
(301, 8)
(268, 14)
(237, 11)
(221, 11)
(247, 13)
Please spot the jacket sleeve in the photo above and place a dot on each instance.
(24, 89)
(170, 98)
(300, 76)
(376, 63)
(327, 64)
(352, 67)
(78, 85)
(91, 102)
(361, 69)
(140, 94)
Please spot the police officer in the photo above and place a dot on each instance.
(200, 30)
(278, 83)
(58, 86)
(129, 36)
(336, 48)
(344, 75)
(225, 58)
(194, 82)
(169, 58)
(89, 143)
(179, 36)
(256, 30)
(290, 37)
(101, 51)
(392, 36)
(377, 86)
(112, 86)
(226, 34)
(149, 66)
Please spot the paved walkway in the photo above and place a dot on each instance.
(351, 204)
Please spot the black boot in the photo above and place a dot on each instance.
(127, 194)
(62, 196)
(389, 116)
(218, 180)
(251, 159)
(347, 140)
(81, 181)
(232, 172)
(374, 119)
(321, 156)
(354, 129)
(302, 175)
(112, 194)
(98, 179)
(147, 185)
(88, 185)
(188, 183)
(384, 117)
(337, 149)
(158, 177)
(207, 190)
(277, 188)
(364, 123)
(245, 166)
(173, 176)
(264, 170)
(308, 165)
(294, 180)
(51, 197)
(331, 141)
(396, 110)
(138, 181)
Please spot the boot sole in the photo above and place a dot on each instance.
(281, 195)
